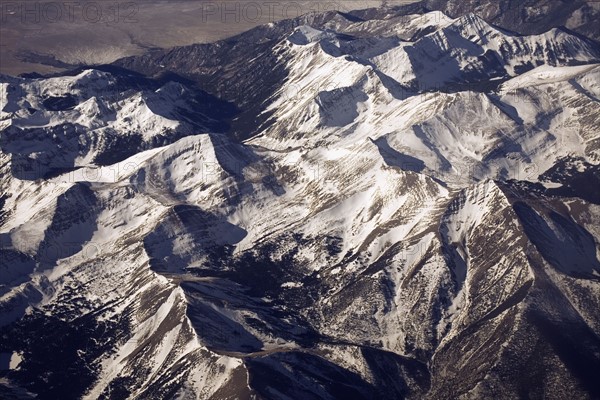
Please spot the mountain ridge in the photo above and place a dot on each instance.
(323, 221)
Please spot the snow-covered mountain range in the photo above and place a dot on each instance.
(371, 205)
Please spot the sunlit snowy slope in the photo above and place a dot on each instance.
(340, 206)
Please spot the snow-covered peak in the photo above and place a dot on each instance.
(99, 120)
(473, 27)
(306, 34)
(391, 208)
(83, 84)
